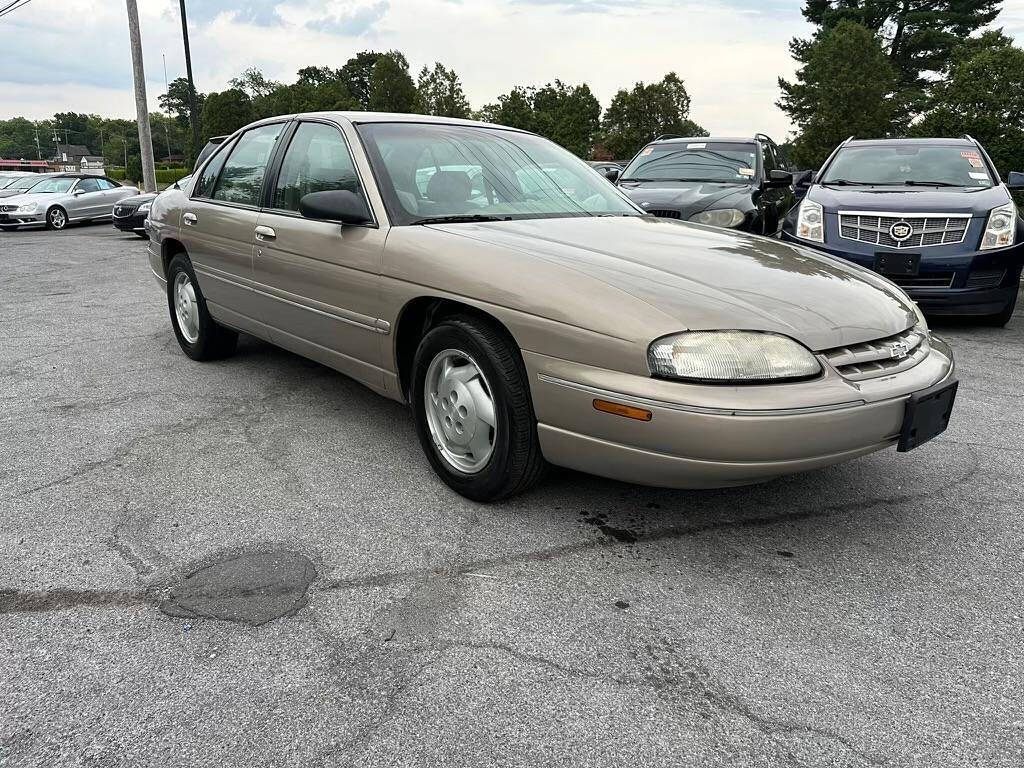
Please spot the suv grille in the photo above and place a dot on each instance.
(985, 278)
(928, 229)
(124, 210)
(665, 214)
(880, 357)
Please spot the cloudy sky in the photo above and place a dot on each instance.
(73, 54)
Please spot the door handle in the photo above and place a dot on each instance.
(190, 219)
(265, 233)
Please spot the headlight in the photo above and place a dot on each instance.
(722, 217)
(731, 356)
(144, 207)
(27, 208)
(810, 222)
(1001, 228)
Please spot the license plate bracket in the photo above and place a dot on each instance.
(927, 415)
(897, 263)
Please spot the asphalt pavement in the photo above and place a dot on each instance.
(249, 563)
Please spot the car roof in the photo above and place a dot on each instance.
(958, 142)
(385, 117)
(705, 139)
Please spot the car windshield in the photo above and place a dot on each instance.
(899, 165)
(52, 185)
(22, 182)
(454, 172)
(694, 161)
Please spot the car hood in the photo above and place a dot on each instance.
(704, 278)
(137, 200)
(686, 197)
(10, 193)
(23, 199)
(977, 201)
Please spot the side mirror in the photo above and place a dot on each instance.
(1015, 181)
(612, 174)
(779, 179)
(78, 193)
(335, 205)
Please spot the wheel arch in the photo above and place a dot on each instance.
(169, 248)
(421, 314)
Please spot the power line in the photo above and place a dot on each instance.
(13, 6)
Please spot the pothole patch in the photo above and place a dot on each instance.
(248, 589)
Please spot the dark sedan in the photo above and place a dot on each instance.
(130, 214)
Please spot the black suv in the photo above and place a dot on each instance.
(738, 183)
(929, 214)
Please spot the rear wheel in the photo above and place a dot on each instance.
(56, 218)
(473, 412)
(198, 334)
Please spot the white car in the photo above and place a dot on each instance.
(60, 200)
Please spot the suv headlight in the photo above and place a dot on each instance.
(810, 221)
(145, 207)
(27, 208)
(1001, 228)
(731, 356)
(721, 217)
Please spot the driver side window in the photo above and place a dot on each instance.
(88, 185)
(317, 160)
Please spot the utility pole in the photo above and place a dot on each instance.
(167, 114)
(39, 151)
(192, 108)
(141, 105)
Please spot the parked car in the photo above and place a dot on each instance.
(63, 199)
(21, 183)
(539, 323)
(742, 184)
(610, 170)
(929, 214)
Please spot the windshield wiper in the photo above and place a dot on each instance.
(845, 183)
(913, 183)
(460, 218)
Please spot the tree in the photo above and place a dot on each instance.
(254, 83)
(846, 87)
(636, 117)
(391, 86)
(440, 93)
(984, 96)
(225, 112)
(568, 115)
(918, 36)
(176, 101)
(356, 75)
(514, 109)
(18, 140)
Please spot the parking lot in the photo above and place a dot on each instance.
(867, 614)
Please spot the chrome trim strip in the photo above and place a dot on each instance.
(904, 214)
(370, 324)
(643, 401)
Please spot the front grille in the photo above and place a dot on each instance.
(876, 358)
(985, 278)
(664, 214)
(8, 208)
(925, 280)
(123, 210)
(926, 229)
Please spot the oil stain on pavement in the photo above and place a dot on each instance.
(250, 589)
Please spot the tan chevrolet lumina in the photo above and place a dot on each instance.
(531, 314)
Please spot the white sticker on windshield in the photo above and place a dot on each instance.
(745, 171)
(982, 176)
(697, 146)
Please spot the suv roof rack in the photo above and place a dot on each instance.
(669, 136)
(968, 137)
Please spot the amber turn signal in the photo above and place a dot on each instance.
(623, 410)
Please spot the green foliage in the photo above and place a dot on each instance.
(637, 116)
(984, 96)
(391, 86)
(253, 82)
(133, 172)
(918, 36)
(846, 87)
(356, 75)
(569, 115)
(171, 175)
(117, 174)
(440, 93)
(225, 112)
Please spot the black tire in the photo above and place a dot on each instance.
(213, 341)
(56, 218)
(1002, 318)
(516, 462)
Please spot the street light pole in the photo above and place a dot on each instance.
(141, 105)
(192, 108)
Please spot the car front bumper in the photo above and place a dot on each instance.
(961, 293)
(134, 223)
(16, 219)
(717, 436)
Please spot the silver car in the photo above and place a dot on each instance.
(19, 184)
(62, 199)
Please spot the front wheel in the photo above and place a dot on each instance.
(198, 334)
(474, 416)
(56, 218)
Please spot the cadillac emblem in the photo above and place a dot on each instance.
(900, 231)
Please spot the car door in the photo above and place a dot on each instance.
(112, 192)
(86, 199)
(218, 225)
(318, 281)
